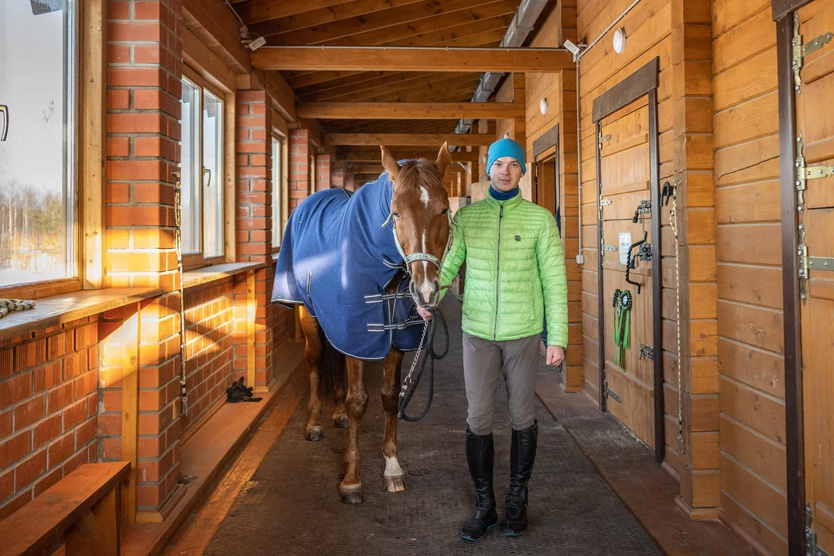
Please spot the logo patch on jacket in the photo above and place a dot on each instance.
(518, 238)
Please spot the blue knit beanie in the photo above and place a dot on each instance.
(506, 147)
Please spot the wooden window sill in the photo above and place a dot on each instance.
(207, 274)
(58, 309)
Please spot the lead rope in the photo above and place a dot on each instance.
(180, 290)
(408, 386)
(673, 222)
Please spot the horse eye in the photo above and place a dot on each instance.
(445, 211)
(395, 214)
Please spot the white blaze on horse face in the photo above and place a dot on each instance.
(424, 196)
(392, 468)
(426, 287)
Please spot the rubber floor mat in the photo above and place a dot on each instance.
(291, 505)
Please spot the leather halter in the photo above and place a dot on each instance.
(419, 255)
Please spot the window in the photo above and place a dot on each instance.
(312, 174)
(277, 198)
(38, 78)
(203, 174)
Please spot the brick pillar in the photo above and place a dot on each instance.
(253, 150)
(299, 181)
(322, 172)
(143, 119)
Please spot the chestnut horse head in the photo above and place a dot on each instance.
(420, 209)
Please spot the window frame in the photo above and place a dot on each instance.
(279, 190)
(85, 153)
(199, 260)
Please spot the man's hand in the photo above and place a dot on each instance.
(425, 313)
(555, 355)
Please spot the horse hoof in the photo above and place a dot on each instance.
(351, 494)
(394, 483)
(314, 434)
(341, 422)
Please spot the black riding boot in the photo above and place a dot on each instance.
(522, 454)
(480, 452)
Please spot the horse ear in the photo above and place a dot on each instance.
(389, 163)
(443, 158)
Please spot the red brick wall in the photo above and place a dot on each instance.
(322, 172)
(254, 178)
(143, 93)
(299, 179)
(48, 403)
(209, 346)
(61, 388)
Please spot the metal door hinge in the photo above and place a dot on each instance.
(605, 202)
(610, 247)
(806, 263)
(646, 352)
(604, 138)
(811, 548)
(799, 50)
(610, 393)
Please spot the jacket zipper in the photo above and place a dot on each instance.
(497, 273)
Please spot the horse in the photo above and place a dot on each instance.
(354, 280)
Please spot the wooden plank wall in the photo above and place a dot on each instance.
(750, 337)
(560, 91)
(693, 167)
(649, 30)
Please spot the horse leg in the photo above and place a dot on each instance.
(312, 353)
(356, 405)
(393, 475)
(340, 418)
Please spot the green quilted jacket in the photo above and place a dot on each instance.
(515, 270)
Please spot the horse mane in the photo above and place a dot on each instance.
(419, 172)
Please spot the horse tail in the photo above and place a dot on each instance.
(332, 367)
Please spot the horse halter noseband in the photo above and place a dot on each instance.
(419, 255)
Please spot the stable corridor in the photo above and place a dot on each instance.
(291, 500)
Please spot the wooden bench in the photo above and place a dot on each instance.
(81, 510)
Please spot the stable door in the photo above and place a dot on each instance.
(626, 250)
(814, 24)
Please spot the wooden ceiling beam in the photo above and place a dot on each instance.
(410, 111)
(255, 11)
(213, 23)
(347, 11)
(490, 39)
(375, 156)
(409, 139)
(384, 83)
(434, 90)
(392, 31)
(469, 34)
(378, 169)
(387, 126)
(474, 60)
(440, 35)
(428, 81)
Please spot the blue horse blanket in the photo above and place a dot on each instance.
(332, 257)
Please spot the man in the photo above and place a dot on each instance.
(515, 276)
